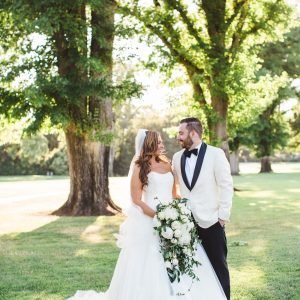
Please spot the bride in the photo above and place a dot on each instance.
(140, 272)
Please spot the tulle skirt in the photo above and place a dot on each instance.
(140, 272)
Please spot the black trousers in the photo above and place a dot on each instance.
(215, 244)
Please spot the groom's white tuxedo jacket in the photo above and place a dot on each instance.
(210, 189)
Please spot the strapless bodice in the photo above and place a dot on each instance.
(159, 188)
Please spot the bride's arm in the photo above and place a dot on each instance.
(176, 189)
(136, 193)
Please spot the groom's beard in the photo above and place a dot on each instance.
(187, 143)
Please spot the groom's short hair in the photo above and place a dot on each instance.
(193, 124)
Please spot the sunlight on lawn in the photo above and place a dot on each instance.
(247, 278)
(247, 275)
(258, 247)
(100, 230)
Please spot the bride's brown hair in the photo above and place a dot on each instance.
(149, 150)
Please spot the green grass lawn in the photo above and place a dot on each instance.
(55, 260)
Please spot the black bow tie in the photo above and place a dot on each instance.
(188, 153)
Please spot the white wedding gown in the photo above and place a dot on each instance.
(140, 273)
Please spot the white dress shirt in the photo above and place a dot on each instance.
(190, 164)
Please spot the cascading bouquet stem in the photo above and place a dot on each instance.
(178, 238)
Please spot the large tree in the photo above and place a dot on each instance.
(270, 130)
(212, 40)
(57, 65)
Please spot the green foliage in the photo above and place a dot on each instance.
(34, 148)
(58, 163)
(36, 154)
(283, 55)
(217, 42)
(294, 122)
(268, 133)
(49, 69)
(280, 62)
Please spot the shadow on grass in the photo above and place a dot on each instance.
(58, 259)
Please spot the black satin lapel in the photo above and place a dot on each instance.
(198, 164)
(183, 174)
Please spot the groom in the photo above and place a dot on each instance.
(203, 175)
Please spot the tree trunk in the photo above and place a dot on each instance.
(111, 161)
(234, 162)
(265, 165)
(88, 164)
(88, 158)
(218, 128)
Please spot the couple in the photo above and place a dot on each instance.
(200, 173)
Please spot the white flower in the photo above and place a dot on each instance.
(161, 215)
(185, 239)
(167, 233)
(190, 225)
(187, 251)
(181, 206)
(187, 211)
(175, 225)
(177, 233)
(171, 213)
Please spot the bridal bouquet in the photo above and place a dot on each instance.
(178, 238)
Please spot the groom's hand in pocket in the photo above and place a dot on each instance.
(222, 222)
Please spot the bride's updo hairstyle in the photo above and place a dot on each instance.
(149, 150)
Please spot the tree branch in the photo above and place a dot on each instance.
(189, 24)
(238, 36)
(236, 10)
(167, 35)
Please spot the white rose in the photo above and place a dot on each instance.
(161, 215)
(187, 211)
(190, 225)
(184, 239)
(174, 241)
(174, 261)
(177, 233)
(176, 225)
(167, 233)
(171, 213)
